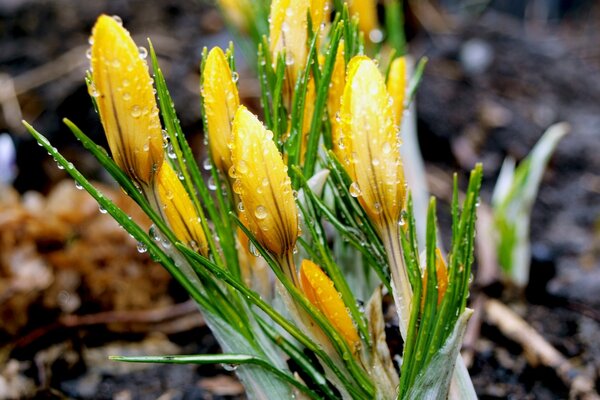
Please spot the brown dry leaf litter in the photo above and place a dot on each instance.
(61, 255)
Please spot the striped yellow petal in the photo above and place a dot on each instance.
(262, 182)
(179, 211)
(396, 85)
(370, 139)
(126, 102)
(320, 291)
(221, 101)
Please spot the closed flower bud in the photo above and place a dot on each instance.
(262, 182)
(366, 11)
(320, 291)
(441, 272)
(288, 33)
(126, 103)
(371, 143)
(221, 101)
(396, 85)
(179, 211)
(334, 97)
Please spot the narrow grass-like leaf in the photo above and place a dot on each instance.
(228, 359)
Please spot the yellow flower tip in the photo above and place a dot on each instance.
(320, 291)
(262, 182)
(366, 11)
(397, 84)
(125, 99)
(371, 153)
(221, 100)
(179, 211)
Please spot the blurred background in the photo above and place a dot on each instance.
(73, 287)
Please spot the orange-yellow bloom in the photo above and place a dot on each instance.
(262, 182)
(221, 101)
(320, 291)
(396, 85)
(126, 102)
(441, 272)
(371, 144)
(179, 211)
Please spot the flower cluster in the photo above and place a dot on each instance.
(285, 262)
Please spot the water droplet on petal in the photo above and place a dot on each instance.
(355, 190)
(261, 212)
(143, 52)
(118, 20)
(136, 111)
(235, 77)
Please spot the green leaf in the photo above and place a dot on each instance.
(230, 360)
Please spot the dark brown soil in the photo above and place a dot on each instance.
(494, 82)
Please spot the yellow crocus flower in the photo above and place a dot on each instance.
(370, 141)
(396, 84)
(264, 187)
(334, 97)
(126, 103)
(288, 33)
(178, 210)
(221, 101)
(320, 291)
(366, 11)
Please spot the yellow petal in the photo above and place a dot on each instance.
(179, 211)
(126, 101)
(288, 34)
(366, 11)
(371, 143)
(263, 184)
(221, 101)
(320, 291)
(396, 84)
(309, 109)
(441, 272)
(334, 97)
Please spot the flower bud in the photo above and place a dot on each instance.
(320, 291)
(366, 11)
(179, 211)
(125, 99)
(396, 85)
(262, 182)
(288, 33)
(371, 143)
(221, 101)
(334, 97)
